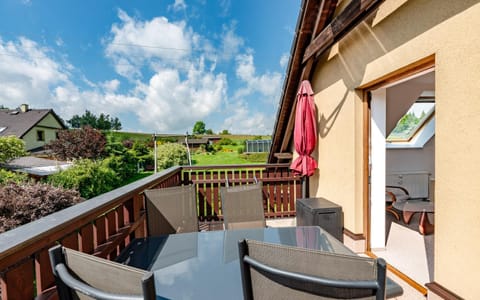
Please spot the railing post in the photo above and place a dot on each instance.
(17, 283)
(138, 206)
(44, 276)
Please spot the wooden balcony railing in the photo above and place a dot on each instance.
(104, 225)
(280, 187)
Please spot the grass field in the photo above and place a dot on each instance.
(228, 156)
(138, 176)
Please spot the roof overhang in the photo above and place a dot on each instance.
(317, 31)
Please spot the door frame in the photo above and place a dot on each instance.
(415, 69)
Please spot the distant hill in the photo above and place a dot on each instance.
(135, 136)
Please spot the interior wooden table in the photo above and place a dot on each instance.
(411, 207)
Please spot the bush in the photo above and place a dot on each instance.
(128, 143)
(143, 153)
(11, 147)
(21, 204)
(78, 143)
(225, 141)
(255, 157)
(114, 148)
(124, 165)
(90, 178)
(9, 176)
(171, 154)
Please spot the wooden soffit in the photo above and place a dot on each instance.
(316, 32)
(313, 17)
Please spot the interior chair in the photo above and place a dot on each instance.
(171, 210)
(394, 194)
(242, 206)
(83, 276)
(271, 271)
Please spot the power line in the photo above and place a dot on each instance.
(153, 47)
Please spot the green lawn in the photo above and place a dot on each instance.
(135, 136)
(227, 156)
(138, 176)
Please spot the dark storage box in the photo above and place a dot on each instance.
(321, 212)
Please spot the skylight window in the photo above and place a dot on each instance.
(413, 120)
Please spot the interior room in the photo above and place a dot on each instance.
(409, 162)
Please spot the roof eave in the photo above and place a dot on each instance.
(300, 42)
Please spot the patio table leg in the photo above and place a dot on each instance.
(407, 216)
(424, 226)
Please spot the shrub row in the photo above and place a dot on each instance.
(23, 203)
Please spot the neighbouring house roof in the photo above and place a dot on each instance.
(18, 123)
(201, 141)
(37, 166)
(318, 29)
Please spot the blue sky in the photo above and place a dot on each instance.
(158, 65)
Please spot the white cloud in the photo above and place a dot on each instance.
(231, 43)
(181, 89)
(70, 100)
(178, 5)
(284, 60)
(225, 6)
(134, 43)
(27, 73)
(59, 42)
(267, 84)
(173, 104)
(243, 121)
(111, 85)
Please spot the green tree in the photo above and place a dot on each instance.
(116, 125)
(102, 122)
(225, 131)
(171, 154)
(199, 128)
(11, 147)
(405, 125)
(87, 119)
(209, 131)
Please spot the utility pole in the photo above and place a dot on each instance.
(154, 152)
(188, 149)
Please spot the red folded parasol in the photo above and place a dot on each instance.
(305, 132)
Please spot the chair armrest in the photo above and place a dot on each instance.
(399, 188)
(391, 195)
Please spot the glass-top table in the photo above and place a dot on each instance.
(205, 265)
